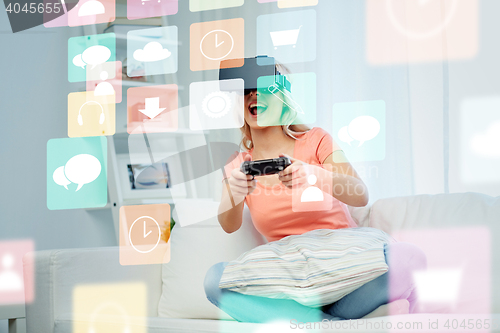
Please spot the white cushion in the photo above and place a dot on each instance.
(316, 268)
(455, 231)
(194, 249)
(200, 212)
(428, 211)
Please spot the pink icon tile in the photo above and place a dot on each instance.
(16, 284)
(152, 109)
(137, 9)
(408, 31)
(109, 83)
(312, 193)
(92, 12)
(54, 14)
(458, 275)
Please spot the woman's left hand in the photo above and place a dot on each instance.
(295, 174)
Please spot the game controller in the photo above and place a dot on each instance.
(265, 167)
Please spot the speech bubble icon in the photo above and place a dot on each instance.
(363, 128)
(96, 55)
(78, 61)
(60, 178)
(82, 169)
(344, 135)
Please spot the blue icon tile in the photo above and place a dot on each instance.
(359, 129)
(289, 37)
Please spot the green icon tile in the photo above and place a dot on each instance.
(359, 129)
(199, 5)
(286, 102)
(89, 51)
(77, 173)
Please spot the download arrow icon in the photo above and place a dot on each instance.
(152, 108)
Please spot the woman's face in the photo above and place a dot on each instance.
(264, 106)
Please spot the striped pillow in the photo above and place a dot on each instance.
(316, 268)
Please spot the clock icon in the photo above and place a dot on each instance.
(216, 44)
(145, 233)
(420, 8)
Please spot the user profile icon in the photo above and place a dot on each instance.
(16, 283)
(312, 194)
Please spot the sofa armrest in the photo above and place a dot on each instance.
(57, 272)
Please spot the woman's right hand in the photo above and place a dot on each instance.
(241, 185)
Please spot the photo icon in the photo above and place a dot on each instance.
(216, 104)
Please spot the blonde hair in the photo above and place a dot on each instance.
(292, 131)
(289, 129)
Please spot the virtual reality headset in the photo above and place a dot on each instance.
(252, 69)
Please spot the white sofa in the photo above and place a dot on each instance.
(175, 301)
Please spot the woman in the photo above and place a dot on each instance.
(276, 215)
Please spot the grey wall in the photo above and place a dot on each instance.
(33, 94)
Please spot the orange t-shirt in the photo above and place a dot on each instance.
(272, 207)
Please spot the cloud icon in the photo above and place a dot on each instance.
(487, 144)
(153, 51)
(92, 7)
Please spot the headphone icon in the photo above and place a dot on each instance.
(114, 305)
(80, 118)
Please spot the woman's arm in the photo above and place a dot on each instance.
(336, 177)
(234, 191)
(347, 186)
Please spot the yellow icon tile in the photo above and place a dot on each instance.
(117, 307)
(90, 115)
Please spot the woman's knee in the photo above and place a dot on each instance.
(407, 257)
(211, 283)
(403, 260)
